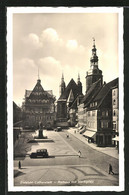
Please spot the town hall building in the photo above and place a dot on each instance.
(39, 106)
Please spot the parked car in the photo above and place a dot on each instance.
(39, 153)
(58, 129)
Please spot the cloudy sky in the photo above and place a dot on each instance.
(61, 42)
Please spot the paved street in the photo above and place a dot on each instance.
(64, 167)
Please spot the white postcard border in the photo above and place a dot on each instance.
(10, 12)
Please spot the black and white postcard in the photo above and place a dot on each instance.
(65, 99)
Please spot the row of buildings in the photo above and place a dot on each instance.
(96, 111)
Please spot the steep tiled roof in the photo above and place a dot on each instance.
(39, 93)
(92, 91)
(72, 85)
(105, 89)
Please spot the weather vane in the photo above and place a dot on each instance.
(38, 72)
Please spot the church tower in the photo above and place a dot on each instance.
(94, 74)
(62, 85)
(79, 84)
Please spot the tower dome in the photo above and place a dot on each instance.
(94, 73)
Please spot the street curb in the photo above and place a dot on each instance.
(93, 147)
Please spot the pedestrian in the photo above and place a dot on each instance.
(75, 131)
(110, 169)
(19, 164)
(67, 136)
(79, 153)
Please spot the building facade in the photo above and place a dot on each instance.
(67, 102)
(98, 110)
(39, 107)
(115, 115)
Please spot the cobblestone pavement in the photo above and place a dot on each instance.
(64, 164)
(84, 175)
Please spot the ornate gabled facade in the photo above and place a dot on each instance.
(94, 73)
(67, 101)
(39, 107)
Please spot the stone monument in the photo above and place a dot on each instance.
(40, 135)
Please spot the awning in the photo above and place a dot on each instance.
(88, 133)
(115, 138)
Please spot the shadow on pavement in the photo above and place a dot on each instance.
(116, 173)
(51, 157)
(18, 173)
(42, 157)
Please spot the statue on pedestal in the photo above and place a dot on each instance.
(40, 136)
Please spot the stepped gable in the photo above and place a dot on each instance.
(39, 93)
(105, 90)
(92, 92)
(72, 85)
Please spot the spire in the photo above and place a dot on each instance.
(93, 41)
(94, 73)
(94, 58)
(62, 85)
(38, 73)
(78, 80)
(79, 84)
(62, 79)
(94, 48)
(38, 76)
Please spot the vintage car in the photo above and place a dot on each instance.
(58, 129)
(41, 153)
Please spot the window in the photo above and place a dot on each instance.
(103, 113)
(88, 113)
(104, 124)
(114, 125)
(101, 124)
(107, 113)
(89, 124)
(93, 113)
(114, 92)
(95, 103)
(114, 113)
(114, 102)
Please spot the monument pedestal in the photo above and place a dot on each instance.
(40, 136)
